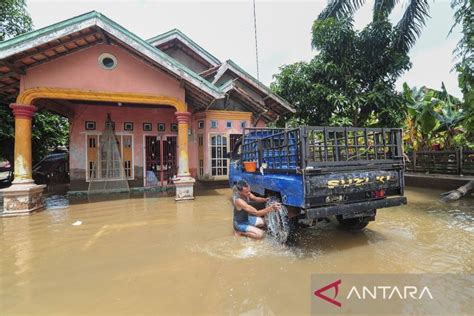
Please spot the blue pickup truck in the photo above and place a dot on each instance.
(317, 172)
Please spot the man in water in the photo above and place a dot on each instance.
(247, 219)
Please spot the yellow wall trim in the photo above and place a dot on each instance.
(29, 95)
(224, 115)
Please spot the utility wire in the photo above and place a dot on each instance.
(256, 45)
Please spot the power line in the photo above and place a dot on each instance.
(256, 43)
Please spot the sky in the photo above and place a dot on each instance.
(226, 30)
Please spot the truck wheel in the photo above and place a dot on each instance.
(278, 222)
(353, 224)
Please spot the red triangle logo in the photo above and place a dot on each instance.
(335, 285)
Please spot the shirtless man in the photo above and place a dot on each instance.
(246, 218)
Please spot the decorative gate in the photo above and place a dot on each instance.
(160, 160)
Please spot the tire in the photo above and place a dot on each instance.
(278, 222)
(353, 224)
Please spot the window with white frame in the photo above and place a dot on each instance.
(219, 159)
(213, 124)
(228, 124)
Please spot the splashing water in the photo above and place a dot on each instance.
(278, 222)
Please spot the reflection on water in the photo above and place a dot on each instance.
(56, 202)
(146, 254)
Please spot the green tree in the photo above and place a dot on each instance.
(7, 133)
(14, 19)
(464, 54)
(464, 51)
(352, 78)
(295, 83)
(434, 116)
(49, 130)
(450, 116)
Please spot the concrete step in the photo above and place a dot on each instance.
(436, 181)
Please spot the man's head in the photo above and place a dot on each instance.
(243, 188)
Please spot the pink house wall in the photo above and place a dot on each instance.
(81, 70)
(119, 115)
(207, 131)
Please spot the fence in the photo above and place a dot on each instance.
(458, 161)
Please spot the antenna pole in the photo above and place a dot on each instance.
(256, 45)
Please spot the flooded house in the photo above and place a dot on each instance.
(173, 108)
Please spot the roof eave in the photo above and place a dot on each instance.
(261, 87)
(177, 34)
(35, 38)
(229, 65)
(64, 28)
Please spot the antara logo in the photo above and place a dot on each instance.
(388, 292)
(335, 285)
(376, 292)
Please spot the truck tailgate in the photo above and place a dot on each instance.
(351, 187)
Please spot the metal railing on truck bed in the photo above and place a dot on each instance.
(278, 148)
(317, 147)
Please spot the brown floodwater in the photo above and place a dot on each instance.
(150, 255)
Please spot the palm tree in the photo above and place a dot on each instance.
(464, 54)
(408, 28)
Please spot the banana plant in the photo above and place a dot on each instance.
(432, 115)
(421, 121)
(449, 116)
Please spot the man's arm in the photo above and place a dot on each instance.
(252, 210)
(258, 199)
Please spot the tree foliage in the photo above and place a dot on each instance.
(434, 117)
(7, 133)
(49, 130)
(14, 19)
(464, 54)
(351, 81)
